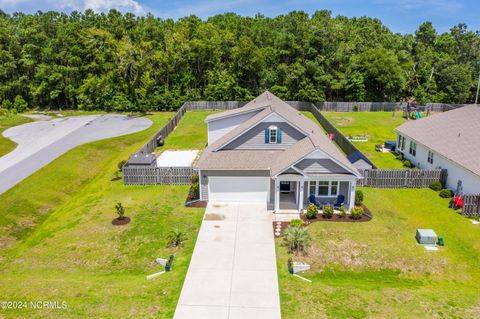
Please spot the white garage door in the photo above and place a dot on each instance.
(238, 189)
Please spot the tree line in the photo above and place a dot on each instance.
(120, 62)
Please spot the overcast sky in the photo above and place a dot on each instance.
(402, 16)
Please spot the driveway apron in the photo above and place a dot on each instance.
(233, 271)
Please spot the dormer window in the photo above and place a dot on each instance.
(273, 135)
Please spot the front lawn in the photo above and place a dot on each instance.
(57, 242)
(378, 127)
(377, 270)
(6, 145)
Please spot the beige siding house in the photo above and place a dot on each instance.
(269, 152)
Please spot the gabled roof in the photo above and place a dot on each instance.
(315, 139)
(454, 134)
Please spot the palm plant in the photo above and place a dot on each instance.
(297, 238)
(176, 238)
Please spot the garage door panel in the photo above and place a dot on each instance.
(238, 189)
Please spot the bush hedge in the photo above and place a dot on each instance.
(357, 212)
(446, 193)
(436, 186)
(312, 211)
(358, 197)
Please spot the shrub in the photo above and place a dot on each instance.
(436, 186)
(445, 193)
(407, 163)
(176, 238)
(343, 212)
(20, 104)
(358, 197)
(120, 210)
(327, 211)
(195, 191)
(296, 222)
(312, 211)
(399, 156)
(195, 188)
(297, 238)
(357, 212)
(195, 179)
(121, 164)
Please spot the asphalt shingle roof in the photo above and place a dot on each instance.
(212, 157)
(454, 134)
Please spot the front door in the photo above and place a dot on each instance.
(285, 187)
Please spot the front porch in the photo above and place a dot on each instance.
(291, 192)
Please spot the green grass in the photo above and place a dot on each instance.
(378, 127)
(377, 270)
(190, 134)
(6, 145)
(57, 242)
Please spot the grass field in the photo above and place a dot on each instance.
(376, 269)
(378, 127)
(57, 242)
(6, 145)
(190, 134)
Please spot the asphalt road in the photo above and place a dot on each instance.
(41, 142)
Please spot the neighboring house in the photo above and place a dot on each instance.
(450, 140)
(269, 152)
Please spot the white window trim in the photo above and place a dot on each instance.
(329, 188)
(271, 129)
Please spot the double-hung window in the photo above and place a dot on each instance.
(430, 157)
(324, 188)
(413, 148)
(401, 142)
(273, 134)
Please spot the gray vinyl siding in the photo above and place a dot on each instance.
(206, 173)
(254, 139)
(204, 181)
(320, 166)
(272, 191)
(343, 189)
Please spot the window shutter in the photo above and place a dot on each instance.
(279, 136)
(267, 136)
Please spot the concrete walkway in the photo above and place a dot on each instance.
(41, 142)
(233, 271)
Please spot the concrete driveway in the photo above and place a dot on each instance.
(233, 271)
(41, 142)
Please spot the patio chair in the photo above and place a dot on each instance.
(313, 200)
(340, 201)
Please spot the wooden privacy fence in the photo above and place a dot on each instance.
(471, 205)
(381, 106)
(344, 143)
(157, 175)
(401, 178)
(168, 128)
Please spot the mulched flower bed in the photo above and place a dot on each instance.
(119, 222)
(367, 216)
(195, 202)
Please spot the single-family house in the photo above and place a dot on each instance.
(451, 141)
(267, 151)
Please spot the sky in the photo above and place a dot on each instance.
(403, 16)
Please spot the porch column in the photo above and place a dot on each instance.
(300, 199)
(353, 187)
(277, 196)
